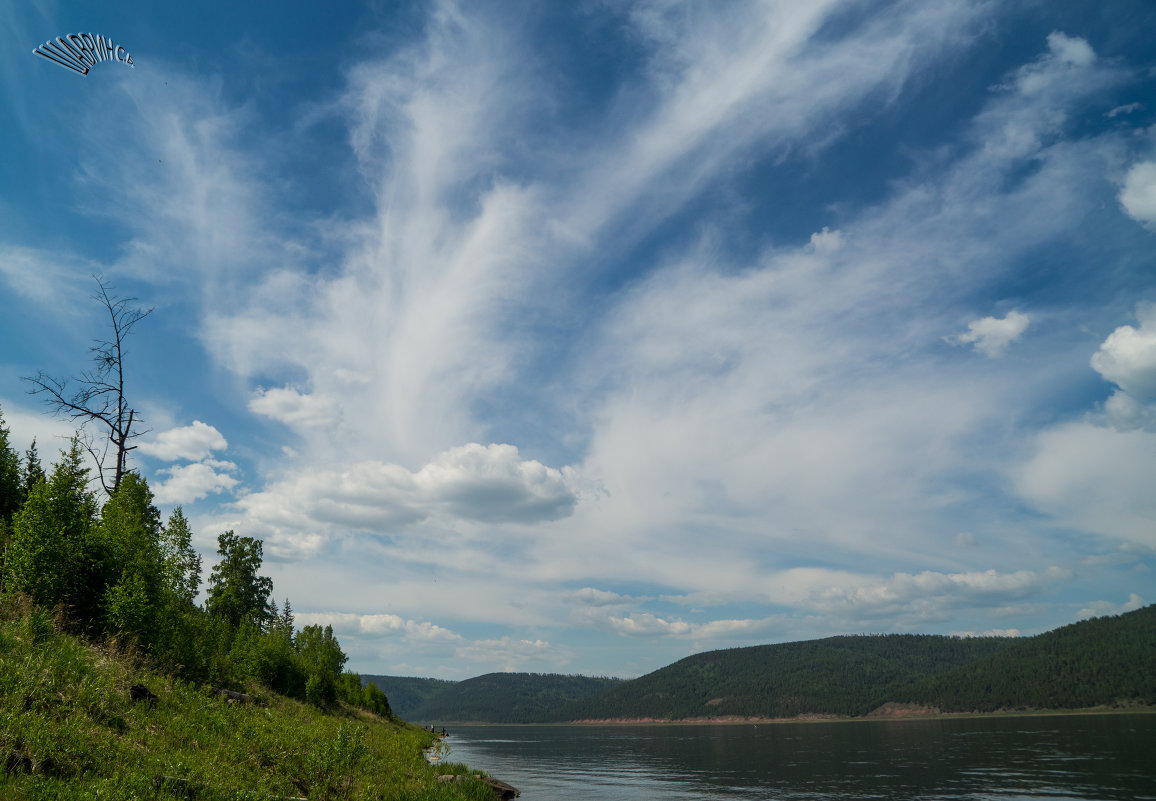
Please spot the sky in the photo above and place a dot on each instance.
(580, 337)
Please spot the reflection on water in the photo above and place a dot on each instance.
(1070, 757)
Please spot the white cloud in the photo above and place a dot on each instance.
(991, 336)
(492, 483)
(1127, 357)
(191, 482)
(45, 277)
(1108, 608)
(826, 241)
(191, 443)
(1095, 479)
(294, 408)
(588, 596)
(386, 625)
(1070, 49)
(645, 624)
(1127, 108)
(1124, 412)
(932, 594)
(988, 633)
(509, 655)
(1138, 195)
(471, 483)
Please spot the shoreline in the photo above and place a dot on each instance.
(888, 716)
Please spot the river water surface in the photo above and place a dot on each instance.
(1054, 757)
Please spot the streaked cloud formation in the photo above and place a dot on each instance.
(576, 337)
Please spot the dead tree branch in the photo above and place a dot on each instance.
(96, 395)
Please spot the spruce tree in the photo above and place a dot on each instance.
(10, 490)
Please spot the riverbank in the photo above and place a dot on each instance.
(908, 713)
(84, 720)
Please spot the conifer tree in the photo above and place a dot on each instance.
(52, 555)
(10, 490)
(33, 472)
(134, 598)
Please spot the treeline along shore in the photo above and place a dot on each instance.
(1105, 663)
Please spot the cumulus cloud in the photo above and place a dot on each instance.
(191, 443)
(191, 482)
(380, 625)
(1070, 49)
(1127, 357)
(294, 408)
(991, 336)
(1108, 608)
(826, 241)
(492, 483)
(474, 483)
(1138, 195)
(1124, 412)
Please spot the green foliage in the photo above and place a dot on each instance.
(10, 476)
(1091, 663)
(68, 729)
(236, 592)
(33, 472)
(323, 660)
(407, 694)
(495, 697)
(52, 555)
(182, 563)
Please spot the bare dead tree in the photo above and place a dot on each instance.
(96, 396)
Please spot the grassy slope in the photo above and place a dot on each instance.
(69, 730)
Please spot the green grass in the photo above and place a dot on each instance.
(69, 730)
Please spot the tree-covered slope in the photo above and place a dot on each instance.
(406, 694)
(836, 676)
(1106, 660)
(508, 697)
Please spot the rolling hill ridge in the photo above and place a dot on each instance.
(1108, 661)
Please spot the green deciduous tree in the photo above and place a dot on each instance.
(182, 563)
(236, 592)
(324, 662)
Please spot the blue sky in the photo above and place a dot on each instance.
(579, 337)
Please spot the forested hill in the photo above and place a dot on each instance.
(1103, 661)
(836, 676)
(492, 698)
(406, 694)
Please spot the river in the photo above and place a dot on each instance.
(1053, 757)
